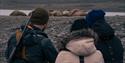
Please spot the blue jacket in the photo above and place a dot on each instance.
(110, 45)
(39, 48)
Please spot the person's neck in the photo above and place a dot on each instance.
(39, 26)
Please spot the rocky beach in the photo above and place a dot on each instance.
(59, 24)
(56, 26)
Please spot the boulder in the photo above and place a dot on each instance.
(30, 14)
(56, 13)
(78, 12)
(66, 13)
(17, 13)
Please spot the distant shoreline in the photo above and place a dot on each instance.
(7, 12)
(107, 5)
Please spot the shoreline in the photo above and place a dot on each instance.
(6, 12)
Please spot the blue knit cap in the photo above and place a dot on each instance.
(93, 16)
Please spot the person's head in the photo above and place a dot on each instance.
(81, 34)
(93, 16)
(78, 24)
(81, 42)
(39, 16)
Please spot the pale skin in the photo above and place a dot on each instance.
(80, 46)
(85, 44)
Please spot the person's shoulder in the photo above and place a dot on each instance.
(67, 57)
(46, 41)
(116, 39)
(99, 52)
(95, 57)
(65, 53)
(41, 34)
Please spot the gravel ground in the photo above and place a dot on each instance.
(56, 25)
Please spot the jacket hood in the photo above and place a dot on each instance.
(103, 29)
(81, 47)
(96, 20)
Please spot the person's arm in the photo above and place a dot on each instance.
(49, 50)
(10, 45)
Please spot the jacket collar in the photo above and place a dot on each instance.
(35, 29)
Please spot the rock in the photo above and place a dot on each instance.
(30, 14)
(78, 12)
(50, 12)
(17, 13)
(55, 13)
(66, 13)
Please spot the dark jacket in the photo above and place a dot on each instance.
(39, 48)
(110, 46)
